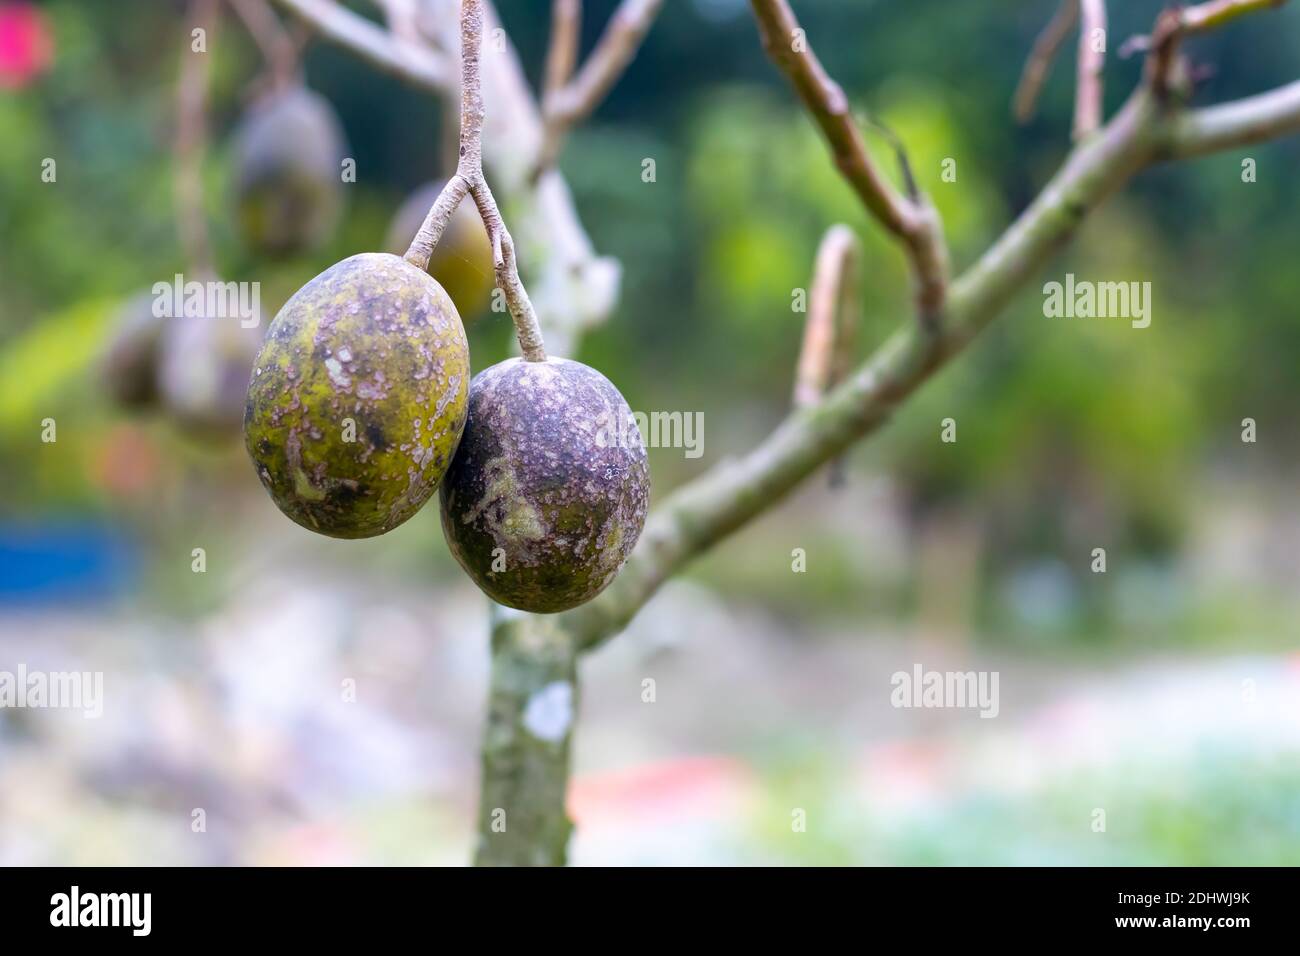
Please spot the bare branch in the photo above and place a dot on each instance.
(1251, 120)
(1176, 23)
(915, 222)
(1208, 16)
(469, 178)
(831, 330)
(191, 138)
(832, 302)
(565, 105)
(788, 46)
(1092, 64)
(562, 55)
(1040, 59)
(706, 510)
(278, 48)
(417, 65)
(403, 18)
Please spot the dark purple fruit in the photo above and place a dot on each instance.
(548, 491)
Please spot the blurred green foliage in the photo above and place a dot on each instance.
(1213, 808)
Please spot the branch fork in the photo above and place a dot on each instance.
(910, 218)
(469, 179)
(569, 98)
(279, 49)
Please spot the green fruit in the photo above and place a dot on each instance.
(288, 176)
(130, 363)
(203, 367)
(547, 494)
(358, 397)
(462, 259)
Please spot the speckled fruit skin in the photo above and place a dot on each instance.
(287, 159)
(375, 340)
(543, 475)
(462, 259)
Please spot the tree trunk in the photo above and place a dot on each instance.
(531, 709)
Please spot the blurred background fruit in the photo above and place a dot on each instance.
(130, 367)
(462, 259)
(288, 175)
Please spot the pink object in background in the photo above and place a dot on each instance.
(26, 45)
(665, 790)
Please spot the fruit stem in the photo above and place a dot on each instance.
(469, 180)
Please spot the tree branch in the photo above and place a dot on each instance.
(1175, 23)
(1254, 119)
(828, 333)
(191, 139)
(412, 64)
(574, 99)
(1208, 16)
(276, 45)
(913, 221)
(562, 54)
(402, 18)
(1091, 67)
(703, 512)
(1040, 59)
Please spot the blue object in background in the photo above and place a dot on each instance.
(64, 562)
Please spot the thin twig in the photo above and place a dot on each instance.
(469, 178)
(1174, 24)
(562, 55)
(914, 221)
(278, 47)
(1092, 64)
(403, 18)
(831, 330)
(1214, 14)
(191, 138)
(575, 98)
(831, 315)
(1040, 59)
